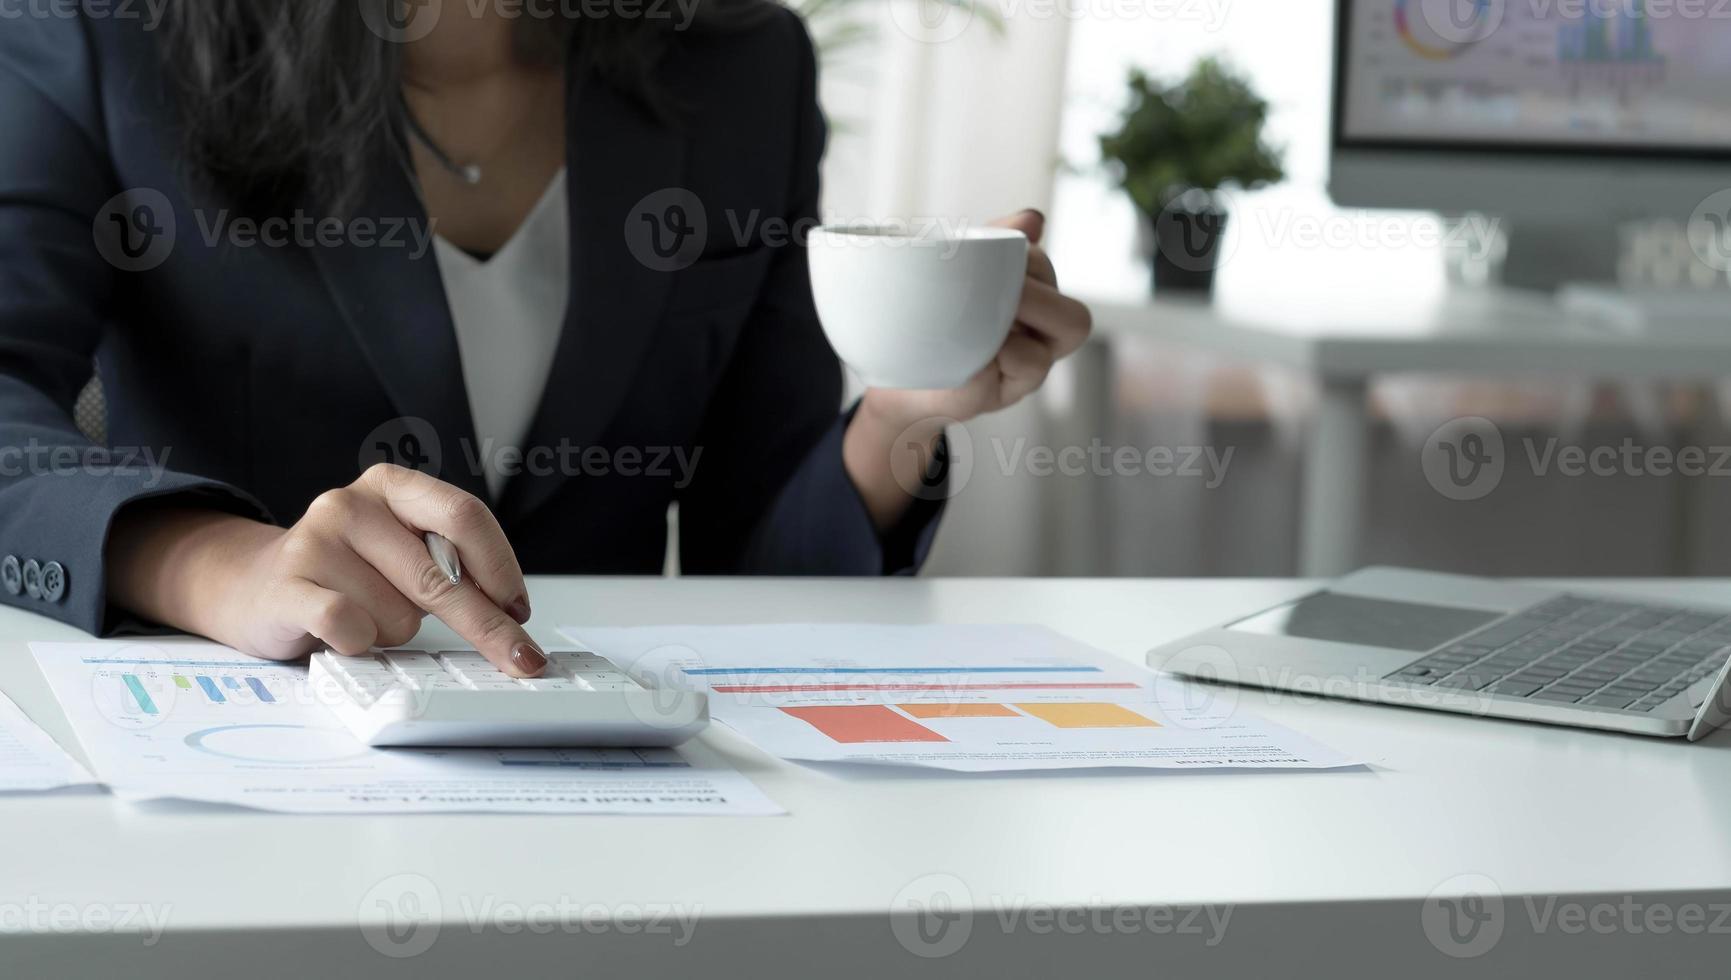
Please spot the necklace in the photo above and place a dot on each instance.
(470, 174)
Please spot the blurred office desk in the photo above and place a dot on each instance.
(1343, 339)
(1606, 850)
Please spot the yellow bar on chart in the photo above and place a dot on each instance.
(1089, 715)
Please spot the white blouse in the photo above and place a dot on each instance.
(509, 311)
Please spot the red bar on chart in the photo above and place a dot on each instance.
(851, 724)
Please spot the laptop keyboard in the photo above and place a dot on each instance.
(1582, 651)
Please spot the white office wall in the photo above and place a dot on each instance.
(1286, 48)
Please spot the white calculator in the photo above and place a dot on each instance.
(458, 698)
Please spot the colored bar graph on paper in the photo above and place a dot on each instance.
(211, 691)
(852, 724)
(140, 695)
(182, 683)
(1088, 715)
(1077, 669)
(958, 711)
(1037, 686)
(259, 689)
(231, 683)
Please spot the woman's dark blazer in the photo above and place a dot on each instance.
(252, 375)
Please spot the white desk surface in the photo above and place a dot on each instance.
(1481, 332)
(1321, 871)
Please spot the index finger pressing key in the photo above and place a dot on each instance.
(425, 503)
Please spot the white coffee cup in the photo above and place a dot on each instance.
(913, 310)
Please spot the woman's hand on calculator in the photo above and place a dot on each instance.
(353, 573)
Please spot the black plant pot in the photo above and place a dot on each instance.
(1187, 243)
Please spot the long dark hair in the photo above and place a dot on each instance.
(288, 101)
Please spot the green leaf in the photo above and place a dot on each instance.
(1204, 132)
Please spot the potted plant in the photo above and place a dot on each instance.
(1177, 148)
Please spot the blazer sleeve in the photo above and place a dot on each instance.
(772, 496)
(59, 492)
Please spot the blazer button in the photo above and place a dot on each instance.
(11, 574)
(33, 579)
(53, 581)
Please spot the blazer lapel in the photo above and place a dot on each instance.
(617, 155)
(393, 299)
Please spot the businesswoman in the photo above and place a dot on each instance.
(229, 214)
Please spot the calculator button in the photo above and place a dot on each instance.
(555, 684)
(604, 677)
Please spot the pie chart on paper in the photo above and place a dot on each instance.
(277, 744)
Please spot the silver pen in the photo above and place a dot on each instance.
(444, 555)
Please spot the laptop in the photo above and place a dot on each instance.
(1481, 647)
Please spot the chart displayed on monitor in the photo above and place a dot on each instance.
(1633, 74)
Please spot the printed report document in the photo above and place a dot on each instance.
(195, 720)
(964, 698)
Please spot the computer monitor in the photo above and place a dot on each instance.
(1565, 118)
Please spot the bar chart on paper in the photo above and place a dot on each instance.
(141, 686)
(927, 721)
(964, 698)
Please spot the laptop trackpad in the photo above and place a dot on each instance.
(1386, 623)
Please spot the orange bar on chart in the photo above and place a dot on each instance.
(1089, 715)
(974, 710)
(850, 724)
